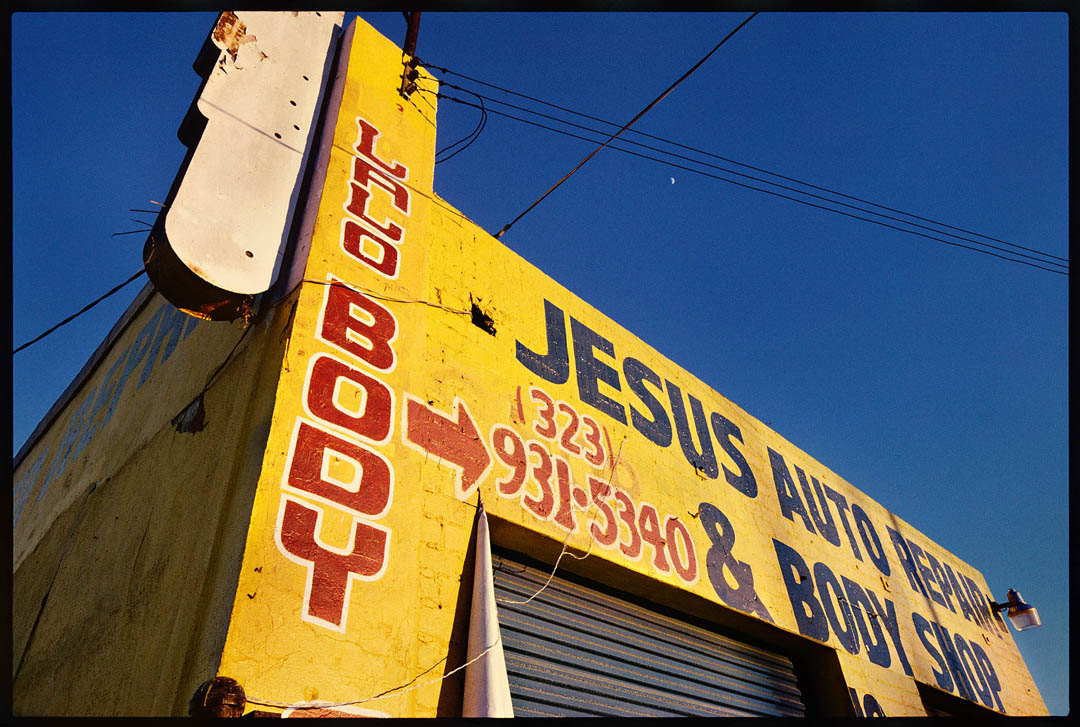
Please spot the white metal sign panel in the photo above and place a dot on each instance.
(232, 212)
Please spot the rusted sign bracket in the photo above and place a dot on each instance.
(218, 697)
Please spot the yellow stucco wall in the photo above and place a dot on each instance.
(128, 533)
(312, 540)
(429, 363)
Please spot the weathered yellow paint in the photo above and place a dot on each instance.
(397, 625)
(60, 467)
(313, 540)
(402, 622)
(126, 561)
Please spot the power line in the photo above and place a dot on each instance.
(641, 113)
(774, 184)
(775, 194)
(470, 138)
(85, 308)
(733, 161)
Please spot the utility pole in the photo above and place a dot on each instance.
(409, 72)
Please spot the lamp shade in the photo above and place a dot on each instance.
(1023, 615)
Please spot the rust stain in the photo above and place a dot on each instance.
(197, 314)
(218, 697)
(229, 33)
(197, 270)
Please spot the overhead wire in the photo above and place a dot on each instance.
(82, 310)
(628, 124)
(776, 194)
(474, 135)
(722, 158)
(91, 304)
(470, 138)
(759, 179)
(410, 685)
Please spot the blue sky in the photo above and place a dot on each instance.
(932, 378)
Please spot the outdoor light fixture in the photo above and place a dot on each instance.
(1023, 615)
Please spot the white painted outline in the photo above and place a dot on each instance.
(350, 434)
(495, 457)
(374, 152)
(375, 234)
(331, 282)
(337, 385)
(459, 471)
(641, 504)
(387, 222)
(604, 500)
(555, 413)
(341, 455)
(531, 479)
(562, 432)
(555, 458)
(380, 172)
(622, 523)
(673, 549)
(599, 445)
(309, 566)
(579, 435)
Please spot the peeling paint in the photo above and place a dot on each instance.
(228, 33)
(192, 419)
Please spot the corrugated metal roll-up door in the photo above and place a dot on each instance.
(575, 651)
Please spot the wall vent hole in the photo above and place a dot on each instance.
(482, 320)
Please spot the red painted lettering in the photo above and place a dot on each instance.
(683, 558)
(649, 522)
(545, 425)
(367, 338)
(631, 550)
(352, 242)
(567, 438)
(367, 493)
(511, 452)
(595, 456)
(330, 573)
(360, 195)
(371, 420)
(543, 505)
(365, 144)
(564, 516)
(610, 534)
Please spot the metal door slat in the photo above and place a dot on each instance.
(614, 641)
(574, 650)
(686, 678)
(589, 632)
(658, 627)
(567, 687)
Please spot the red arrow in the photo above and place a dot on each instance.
(453, 439)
